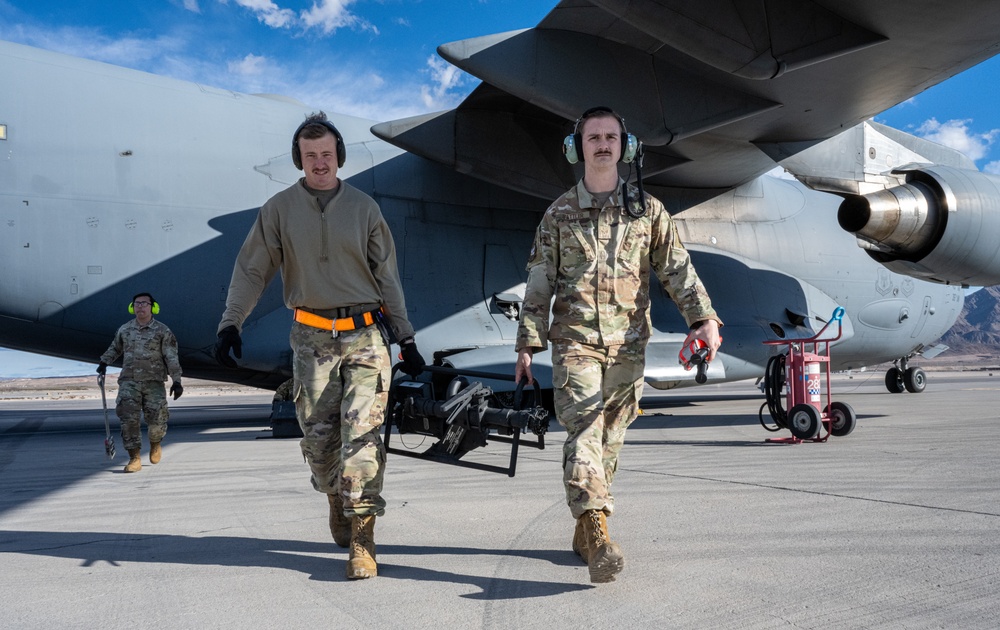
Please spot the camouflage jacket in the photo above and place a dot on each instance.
(150, 352)
(595, 262)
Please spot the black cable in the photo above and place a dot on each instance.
(635, 213)
(774, 382)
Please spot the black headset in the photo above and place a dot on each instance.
(319, 119)
(154, 309)
(573, 144)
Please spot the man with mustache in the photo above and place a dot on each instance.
(593, 252)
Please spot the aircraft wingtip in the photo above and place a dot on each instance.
(458, 52)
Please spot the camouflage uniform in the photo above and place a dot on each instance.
(284, 391)
(150, 353)
(340, 416)
(595, 261)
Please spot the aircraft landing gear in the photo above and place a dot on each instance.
(900, 378)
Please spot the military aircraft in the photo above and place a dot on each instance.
(114, 181)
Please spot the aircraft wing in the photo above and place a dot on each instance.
(717, 90)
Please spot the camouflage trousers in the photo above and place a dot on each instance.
(135, 400)
(596, 392)
(341, 391)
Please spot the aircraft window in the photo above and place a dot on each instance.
(3, 132)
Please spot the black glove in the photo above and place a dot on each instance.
(413, 363)
(102, 368)
(177, 389)
(229, 339)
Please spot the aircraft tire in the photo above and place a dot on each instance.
(915, 380)
(894, 381)
(804, 421)
(842, 418)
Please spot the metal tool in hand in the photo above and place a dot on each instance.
(109, 442)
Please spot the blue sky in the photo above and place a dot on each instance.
(370, 58)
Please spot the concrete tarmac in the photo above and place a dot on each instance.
(894, 526)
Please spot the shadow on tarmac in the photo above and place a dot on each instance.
(95, 548)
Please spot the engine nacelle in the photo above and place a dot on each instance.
(942, 225)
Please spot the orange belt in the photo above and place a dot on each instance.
(342, 324)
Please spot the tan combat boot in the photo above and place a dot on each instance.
(155, 452)
(340, 525)
(134, 463)
(361, 563)
(580, 538)
(580, 541)
(604, 557)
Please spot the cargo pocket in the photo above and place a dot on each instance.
(560, 376)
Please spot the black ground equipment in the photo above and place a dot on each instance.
(463, 415)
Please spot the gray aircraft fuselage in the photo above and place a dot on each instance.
(114, 181)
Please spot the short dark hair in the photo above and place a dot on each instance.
(601, 111)
(139, 295)
(315, 126)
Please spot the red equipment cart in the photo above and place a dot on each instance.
(800, 369)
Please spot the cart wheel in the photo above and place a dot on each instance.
(804, 421)
(915, 380)
(894, 381)
(842, 418)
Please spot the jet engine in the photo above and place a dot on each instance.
(942, 224)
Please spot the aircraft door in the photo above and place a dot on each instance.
(925, 310)
(503, 288)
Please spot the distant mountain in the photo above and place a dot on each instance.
(977, 330)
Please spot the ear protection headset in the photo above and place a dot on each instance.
(155, 309)
(318, 119)
(573, 144)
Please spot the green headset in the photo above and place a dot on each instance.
(572, 145)
(155, 310)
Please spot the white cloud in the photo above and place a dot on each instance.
(345, 81)
(957, 135)
(444, 77)
(329, 15)
(324, 15)
(251, 65)
(992, 168)
(130, 52)
(269, 13)
(360, 93)
(192, 5)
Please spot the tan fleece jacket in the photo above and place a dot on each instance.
(333, 257)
